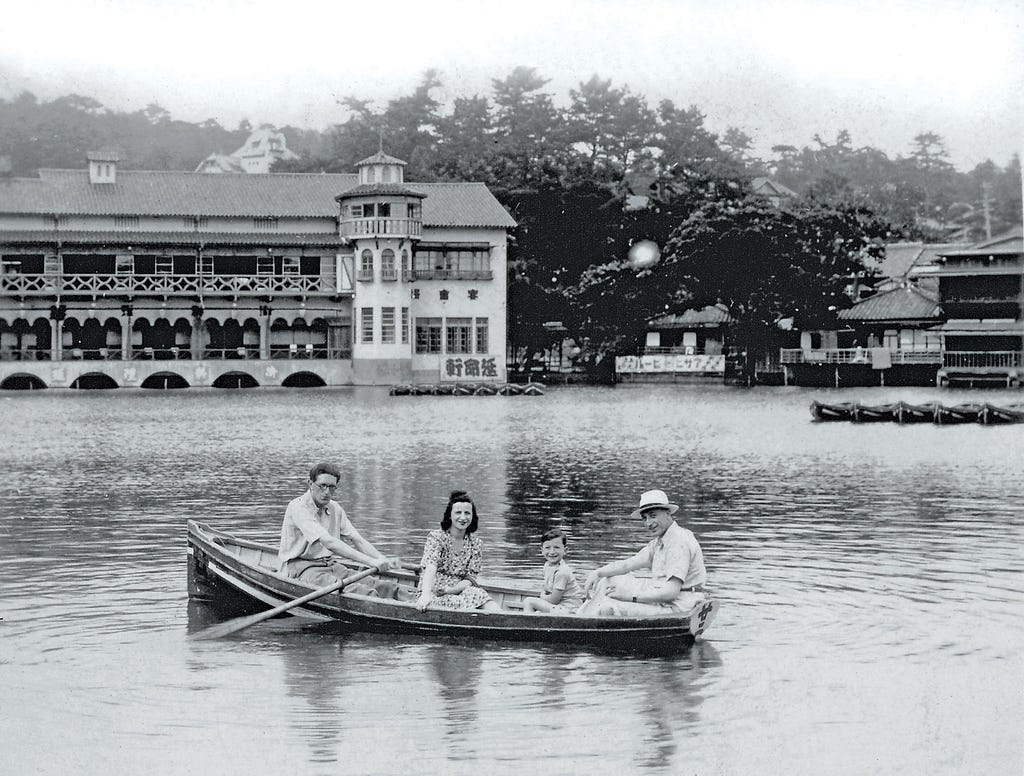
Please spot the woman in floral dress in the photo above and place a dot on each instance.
(451, 561)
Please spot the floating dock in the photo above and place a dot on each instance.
(469, 389)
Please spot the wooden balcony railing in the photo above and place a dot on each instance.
(399, 227)
(113, 353)
(452, 274)
(855, 356)
(683, 350)
(988, 358)
(184, 285)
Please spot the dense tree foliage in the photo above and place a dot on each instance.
(587, 180)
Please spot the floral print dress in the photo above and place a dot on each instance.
(452, 568)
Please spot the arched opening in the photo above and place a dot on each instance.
(14, 340)
(235, 380)
(94, 381)
(303, 380)
(231, 339)
(298, 339)
(22, 382)
(164, 381)
(38, 340)
(91, 339)
(158, 340)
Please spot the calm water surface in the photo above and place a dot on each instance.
(870, 578)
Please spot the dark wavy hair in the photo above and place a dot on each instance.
(459, 497)
(324, 467)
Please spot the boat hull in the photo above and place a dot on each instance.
(903, 412)
(227, 572)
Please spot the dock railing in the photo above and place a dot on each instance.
(855, 356)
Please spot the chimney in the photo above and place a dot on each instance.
(102, 166)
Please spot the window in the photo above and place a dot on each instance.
(264, 223)
(458, 339)
(405, 265)
(387, 175)
(384, 210)
(387, 325)
(405, 325)
(365, 265)
(481, 335)
(195, 222)
(366, 325)
(126, 222)
(164, 265)
(428, 335)
(290, 265)
(357, 211)
(412, 210)
(387, 265)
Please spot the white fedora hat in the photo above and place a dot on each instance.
(654, 499)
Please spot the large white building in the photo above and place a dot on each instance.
(161, 279)
(261, 149)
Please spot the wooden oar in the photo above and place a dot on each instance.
(237, 624)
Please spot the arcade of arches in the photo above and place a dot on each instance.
(165, 338)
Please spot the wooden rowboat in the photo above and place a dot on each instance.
(240, 576)
(825, 412)
(958, 413)
(866, 413)
(990, 414)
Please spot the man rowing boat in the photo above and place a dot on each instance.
(317, 537)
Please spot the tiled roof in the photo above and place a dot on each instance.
(81, 236)
(900, 304)
(104, 155)
(900, 258)
(982, 327)
(222, 162)
(285, 195)
(766, 187)
(379, 158)
(707, 316)
(369, 189)
(461, 204)
(1011, 242)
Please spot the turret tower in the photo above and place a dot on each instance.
(382, 218)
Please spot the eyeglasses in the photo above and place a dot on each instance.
(326, 488)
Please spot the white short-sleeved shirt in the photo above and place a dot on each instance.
(675, 554)
(305, 525)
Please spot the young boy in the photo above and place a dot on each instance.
(562, 594)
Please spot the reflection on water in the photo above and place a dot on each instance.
(870, 577)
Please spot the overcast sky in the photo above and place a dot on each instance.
(780, 70)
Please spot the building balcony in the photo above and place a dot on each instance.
(676, 350)
(380, 227)
(452, 274)
(998, 359)
(165, 284)
(114, 353)
(855, 356)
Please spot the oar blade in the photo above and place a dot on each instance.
(228, 627)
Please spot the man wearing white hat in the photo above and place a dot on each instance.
(674, 557)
